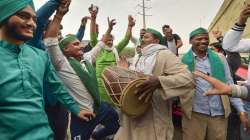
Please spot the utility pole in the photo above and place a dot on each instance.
(144, 12)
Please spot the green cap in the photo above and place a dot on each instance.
(67, 40)
(156, 33)
(197, 32)
(10, 7)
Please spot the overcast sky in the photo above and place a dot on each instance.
(182, 15)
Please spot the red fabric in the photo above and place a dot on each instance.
(177, 111)
(242, 72)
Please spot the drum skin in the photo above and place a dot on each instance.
(120, 84)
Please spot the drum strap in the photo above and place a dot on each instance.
(88, 79)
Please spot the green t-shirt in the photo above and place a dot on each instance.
(104, 59)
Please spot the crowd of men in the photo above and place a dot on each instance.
(51, 83)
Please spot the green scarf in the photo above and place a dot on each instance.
(88, 79)
(217, 66)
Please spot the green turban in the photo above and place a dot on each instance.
(156, 33)
(197, 32)
(10, 7)
(67, 40)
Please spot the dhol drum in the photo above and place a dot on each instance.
(120, 84)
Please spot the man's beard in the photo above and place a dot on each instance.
(143, 44)
(12, 32)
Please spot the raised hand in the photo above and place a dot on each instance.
(54, 27)
(84, 20)
(93, 10)
(131, 21)
(111, 23)
(63, 8)
(244, 15)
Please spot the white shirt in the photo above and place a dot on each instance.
(66, 73)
